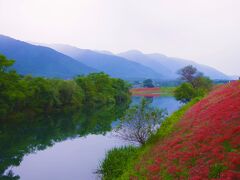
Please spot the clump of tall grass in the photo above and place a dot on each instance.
(116, 162)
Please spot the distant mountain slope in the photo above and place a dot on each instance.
(41, 61)
(141, 58)
(169, 66)
(110, 64)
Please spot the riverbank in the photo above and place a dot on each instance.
(133, 155)
(200, 140)
(151, 92)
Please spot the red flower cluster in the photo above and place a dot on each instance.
(146, 92)
(206, 143)
(145, 89)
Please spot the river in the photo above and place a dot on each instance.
(64, 147)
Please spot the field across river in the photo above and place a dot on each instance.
(155, 91)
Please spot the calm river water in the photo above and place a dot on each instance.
(64, 147)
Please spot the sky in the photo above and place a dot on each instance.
(205, 31)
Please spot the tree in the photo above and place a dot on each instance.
(185, 92)
(189, 73)
(195, 85)
(202, 82)
(139, 123)
(5, 63)
(10, 93)
(148, 83)
(20, 95)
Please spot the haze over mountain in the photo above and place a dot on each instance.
(168, 66)
(41, 61)
(65, 61)
(111, 64)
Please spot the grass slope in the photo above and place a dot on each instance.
(205, 143)
(129, 156)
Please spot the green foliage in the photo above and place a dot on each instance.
(202, 82)
(185, 92)
(215, 170)
(195, 85)
(5, 63)
(28, 95)
(116, 161)
(148, 83)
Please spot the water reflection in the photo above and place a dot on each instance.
(72, 144)
(164, 102)
(25, 136)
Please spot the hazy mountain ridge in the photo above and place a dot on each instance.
(65, 61)
(137, 56)
(111, 64)
(169, 66)
(41, 61)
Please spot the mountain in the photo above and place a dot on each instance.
(143, 59)
(108, 63)
(168, 66)
(64, 61)
(40, 61)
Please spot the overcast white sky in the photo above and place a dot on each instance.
(206, 31)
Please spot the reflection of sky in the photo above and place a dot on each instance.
(164, 102)
(78, 158)
(69, 160)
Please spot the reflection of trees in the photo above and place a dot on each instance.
(138, 99)
(149, 99)
(23, 136)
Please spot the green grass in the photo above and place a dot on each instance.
(167, 91)
(116, 161)
(120, 163)
(216, 170)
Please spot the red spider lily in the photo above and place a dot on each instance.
(206, 143)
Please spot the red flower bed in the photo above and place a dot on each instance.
(145, 89)
(206, 143)
(146, 92)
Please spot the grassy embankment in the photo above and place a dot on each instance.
(200, 141)
(119, 162)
